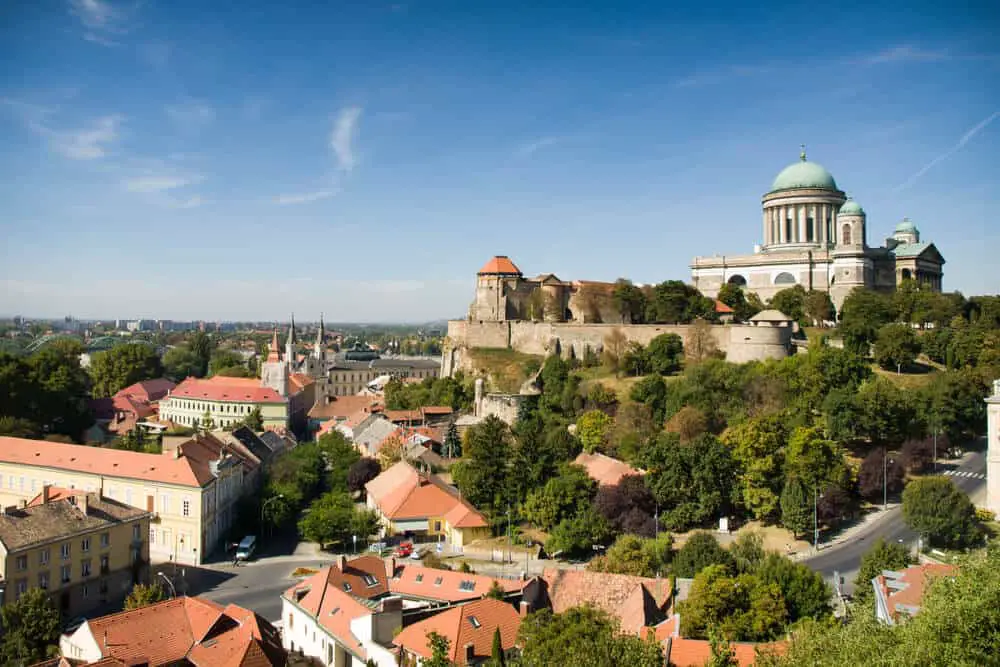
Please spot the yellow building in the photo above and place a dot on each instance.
(84, 549)
(190, 491)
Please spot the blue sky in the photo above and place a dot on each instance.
(161, 159)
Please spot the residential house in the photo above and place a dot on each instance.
(180, 631)
(369, 435)
(408, 501)
(134, 404)
(264, 449)
(85, 550)
(898, 594)
(604, 470)
(469, 629)
(426, 587)
(339, 409)
(191, 491)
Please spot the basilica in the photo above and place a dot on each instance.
(816, 236)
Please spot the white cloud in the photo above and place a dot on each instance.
(531, 147)
(904, 54)
(191, 115)
(156, 183)
(85, 144)
(345, 128)
(101, 20)
(963, 140)
(304, 198)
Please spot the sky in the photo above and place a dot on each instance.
(231, 161)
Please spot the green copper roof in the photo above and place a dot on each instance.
(906, 226)
(804, 174)
(851, 207)
(910, 249)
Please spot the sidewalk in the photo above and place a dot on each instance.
(863, 525)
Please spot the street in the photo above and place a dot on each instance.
(845, 558)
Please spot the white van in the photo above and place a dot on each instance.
(246, 548)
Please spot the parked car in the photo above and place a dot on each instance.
(404, 549)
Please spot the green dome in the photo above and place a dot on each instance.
(905, 227)
(851, 207)
(804, 174)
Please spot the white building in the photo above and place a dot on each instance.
(993, 450)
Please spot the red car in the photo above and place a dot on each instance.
(404, 549)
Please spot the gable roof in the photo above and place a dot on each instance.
(227, 389)
(148, 390)
(723, 308)
(903, 591)
(403, 493)
(473, 623)
(417, 581)
(193, 629)
(920, 249)
(500, 265)
(182, 471)
(25, 527)
(605, 470)
(637, 602)
(331, 607)
(342, 407)
(683, 652)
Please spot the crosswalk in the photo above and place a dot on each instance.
(965, 473)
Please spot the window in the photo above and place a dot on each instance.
(152, 535)
(788, 230)
(137, 532)
(105, 540)
(43, 580)
(784, 278)
(43, 557)
(85, 544)
(437, 526)
(437, 582)
(22, 562)
(22, 587)
(65, 574)
(810, 229)
(347, 587)
(64, 551)
(164, 503)
(85, 568)
(370, 580)
(475, 622)
(467, 585)
(419, 578)
(85, 591)
(186, 507)
(105, 564)
(846, 231)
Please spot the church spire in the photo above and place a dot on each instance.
(802, 153)
(272, 352)
(318, 351)
(290, 359)
(291, 331)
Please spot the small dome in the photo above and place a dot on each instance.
(851, 207)
(906, 227)
(804, 174)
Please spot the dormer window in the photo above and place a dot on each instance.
(467, 585)
(347, 587)
(475, 622)
(369, 580)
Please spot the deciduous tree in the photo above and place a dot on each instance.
(665, 353)
(882, 556)
(583, 637)
(700, 551)
(934, 507)
(361, 472)
(31, 628)
(121, 366)
(143, 595)
(896, 346)
(593, 428)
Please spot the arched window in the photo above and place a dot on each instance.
(737, 280)
(784, 278)
(788, 231)
(810, 229)
(846, 232)
(907, 274)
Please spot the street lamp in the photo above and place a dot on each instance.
(173, 591)
(935, 448)
(264, 505)
(816, 496)
(885, 477)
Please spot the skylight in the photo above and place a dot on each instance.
(370, 580)
(419, 578)
(437, 582)
(467, 585)
(347, 587)
(475, 622)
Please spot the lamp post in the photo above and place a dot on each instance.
(885, 477)
(935, 448)
(173, 591)
(263, 506)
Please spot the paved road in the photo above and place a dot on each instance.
(845, 558)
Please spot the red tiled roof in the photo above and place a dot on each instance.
(56, 493)
(183, 471)
(194, 630)
(722, 308)
(500, 265)
(221, 388)
(342, 407)
(299, 381)
(331, 607)
(403, 493)
(914, 581)
(474, 623)
(605, 470)
(445, 585)
(148, 390)
(396, 416)
(437, 410)
(637, 602)
(697, 652)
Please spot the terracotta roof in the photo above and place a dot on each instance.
(605, 470)
(56, 493)
(500, 265)
(342, 407)
(121, 463)
(148, 390)
(437, 410)
(220, 388)
(397, 416)
(637, 602)
(723, 308)
(194, 630)
(21, 528)
(904, 590)
(427, 583)
(331, 607)
(697, 652)
(474, 623)
(299, 381)
(403, 493)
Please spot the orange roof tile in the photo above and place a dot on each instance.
(697, 652)
(500, 265)
(220, 388)
(605, 470)
(722, 308)
(403, 493)
(396, 416)
(637, 602)
(342, 407)
(56, 493)
(121, 463)
(331, 607)
(427, 583)
(911, 584)
(148, 390)
(474, 623)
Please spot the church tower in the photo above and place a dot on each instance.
(290, 358)
(319, 353)
(993, 450)
(273, 372)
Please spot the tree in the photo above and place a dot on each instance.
(254, 421)
(207, 423)
(937, 509)
(861, 315)
(918, 453)
(361, 472)
(791, 302)
(628, 506)
(757, 448)
(673, 302)
(741, 608)
(834, 505)
(747, 551)
(629, 301)
(734, 297)
(818, 307)
(886, 415)
(615, 345)
(694, 481)
(201, 345)
(635, 360)
(804, 592)
(723, 654)
(122, 366)
(700, 343)
(329, 519)
(952, 404)
(882, 556)
(31, 628)
(563, 497)
(652, 392)
(870, 475)
(143, 595)
(688, 423)
(700, 551)
(452, 445)
(584, 637)
(896, 346)
(440, 647)
(496, 650)
(181, 362)
(390, 452)
(592, 428)
(665, 353)
(814, 459)
(795, 511)
(221, 361)
(482, 474)
(634, 555)
(578, 535)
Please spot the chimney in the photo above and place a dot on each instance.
(22, 503)
(342, 563)
(46, 493)
(470, 653)
(524, 609)
(392, 566)
(177, 452)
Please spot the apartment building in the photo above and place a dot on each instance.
(84, 549)
(190, 491)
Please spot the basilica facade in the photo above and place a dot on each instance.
(816, 236)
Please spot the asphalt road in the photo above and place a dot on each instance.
(845, 558)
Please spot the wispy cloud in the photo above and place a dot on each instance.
(156, 183)
(90, 143)
(101, 19)
(191, 115)
(531, 147)
(304, 198)
(905, 53)
(345, 128)
(963, 140)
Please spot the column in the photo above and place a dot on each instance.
(800, 228)
(767, 227)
